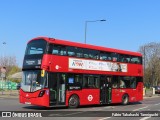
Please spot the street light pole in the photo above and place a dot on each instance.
(86, 22)
(4, 45)
(2, 70)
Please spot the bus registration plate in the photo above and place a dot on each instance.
(28, 103)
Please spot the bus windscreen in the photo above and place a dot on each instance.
(36, 47)
(32, 81)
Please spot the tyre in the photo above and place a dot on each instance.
(125, 99)
(73, 101)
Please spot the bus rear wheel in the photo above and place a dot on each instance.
(125, 99)
(73, 101)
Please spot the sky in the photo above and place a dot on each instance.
(129, 23)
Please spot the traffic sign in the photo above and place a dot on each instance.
(3, 70)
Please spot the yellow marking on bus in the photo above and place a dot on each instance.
(42, 73)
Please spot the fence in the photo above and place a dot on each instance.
(8, 85)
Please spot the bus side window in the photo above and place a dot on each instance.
(85, 82)
(49, 48)
(103, 56)
(91, 81)
(59, 50)
(121, 82)
(125, 82)
(63, 79)
(128, 58)
(115, 82)
(79, 52)
(85, 53)
(114, 57)
(90, 53)
(96, 81)
(71, 80)
(138, 79)
(55, 50)
(133, 82)
(63, 50)
(124, 58)
(78, 79)
(71, 51)
(135, 59)
(94, 54)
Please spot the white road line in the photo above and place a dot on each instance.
(100, 109)
(140, 108)
(157, 104)
(145, 118)
(104, 118)
(75, 113)
(109, 107)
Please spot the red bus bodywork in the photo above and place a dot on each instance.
(56, 63)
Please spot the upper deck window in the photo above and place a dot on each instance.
(71, 51)
(105, 56)
(115, 57)
(136, 60)
(36, 47)
(59, 50)
(93, 54)
(124, 58)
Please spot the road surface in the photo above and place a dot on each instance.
(97, 112)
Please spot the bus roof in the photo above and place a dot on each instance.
(82, 45)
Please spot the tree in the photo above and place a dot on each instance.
(151, 61)
(10, 63)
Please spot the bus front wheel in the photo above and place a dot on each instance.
(125, 99)
(73, 101)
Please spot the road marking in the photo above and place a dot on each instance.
(109, 107)
(157, 104)
(104, 118)
(140, 108)
(75, 113)
(100, 109)
(145, 118)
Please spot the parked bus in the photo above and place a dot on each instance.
(64, 73)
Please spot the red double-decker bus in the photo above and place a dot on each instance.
(64, 73)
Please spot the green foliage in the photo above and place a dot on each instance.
(15, 80)
(12, 70)
(10, 63)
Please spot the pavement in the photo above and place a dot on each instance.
(151, 96)
(9, 94)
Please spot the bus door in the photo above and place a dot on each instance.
(61, 88)
(105, 89)
(133, 89)
(57, 88)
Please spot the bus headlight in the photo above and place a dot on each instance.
(41, 93)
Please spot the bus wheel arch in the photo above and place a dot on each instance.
(73, 101)
(125, 99)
